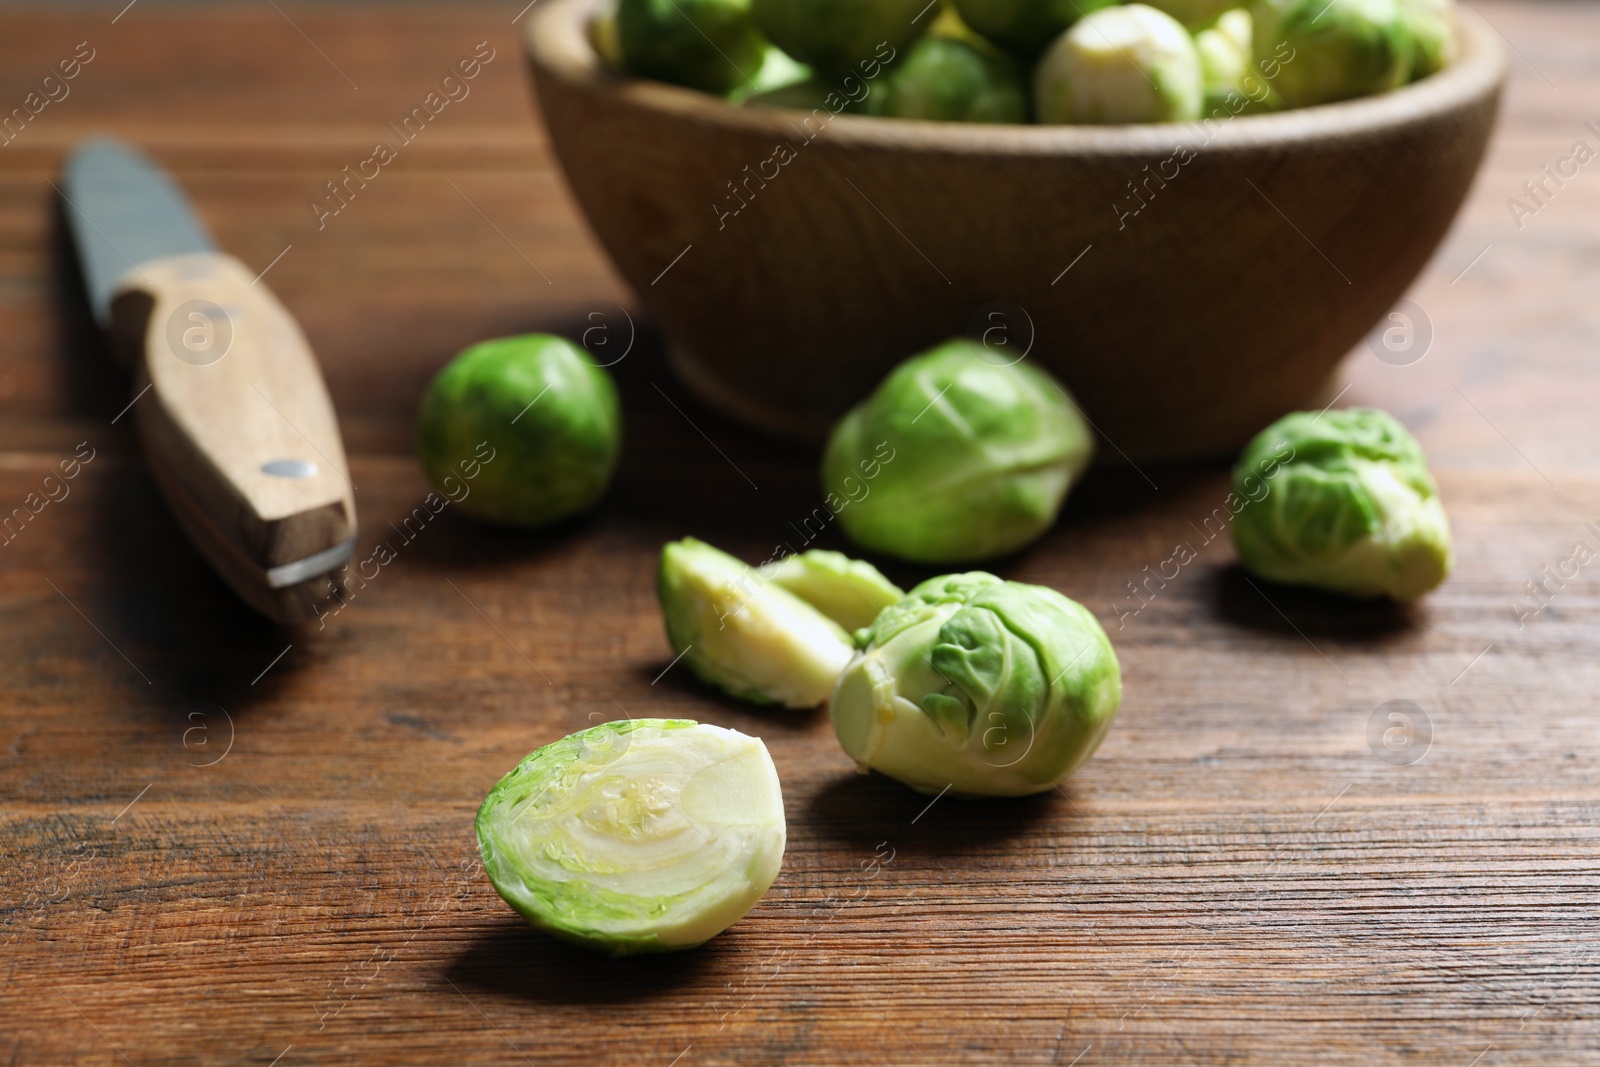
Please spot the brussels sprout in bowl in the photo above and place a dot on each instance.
(793, 258)
(1129, 63)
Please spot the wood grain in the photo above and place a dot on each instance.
(225, 842)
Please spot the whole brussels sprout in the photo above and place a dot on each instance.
(1432, 25)
(644, 835)
(1026, 27)
(712, 45)
(607, 45)
(962, 458)
(841, 36)
(1342, 501)
(543, 419)
(1330, 50)
(811, 94)
(951, 80)
(851, 592)
(1195, 14)
(745, 634)
(1119, 65)
(981, 686)
(1225, 58)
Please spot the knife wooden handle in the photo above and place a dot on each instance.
(238, 429)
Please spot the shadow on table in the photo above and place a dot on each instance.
(684, 469)
(1267, 607)
(161, 605)
(676, 678)
(454, 543)
(865, 810)
(1113, 487)
(91, 378)
(187, 638)
(513, 959)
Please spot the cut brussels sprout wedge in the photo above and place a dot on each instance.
(644, 835)
(978, 686)
(851, 592)
(1343, 501)
(744, 633)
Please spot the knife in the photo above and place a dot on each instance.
(235, 420)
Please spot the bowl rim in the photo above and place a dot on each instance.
(558, 45)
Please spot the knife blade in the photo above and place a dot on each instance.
(237, 427)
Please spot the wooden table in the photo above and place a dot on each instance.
(224, 842)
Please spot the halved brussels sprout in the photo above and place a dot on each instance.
(980, 686)
(966, 458)
(1341, 500)
(851, 592)
(1120, 65)
(743, 632)
(644, 835)
(1336, 49)
(712, 45)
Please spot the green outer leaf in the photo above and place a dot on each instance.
(991, 668)
(921, 603)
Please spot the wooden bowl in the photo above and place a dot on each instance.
(1188, 282)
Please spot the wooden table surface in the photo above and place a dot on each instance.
(225, 842)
